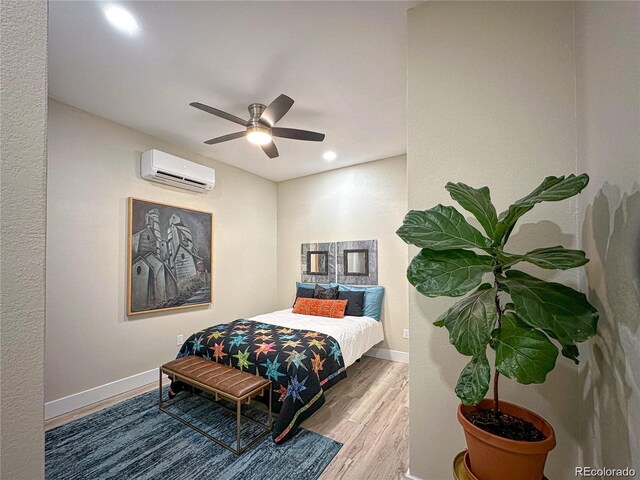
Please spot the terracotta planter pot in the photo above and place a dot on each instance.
(496, 458)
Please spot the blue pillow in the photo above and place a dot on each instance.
(312, 286)
(372, 299)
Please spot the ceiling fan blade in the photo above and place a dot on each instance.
(297, 134)
(219, 113)
(226, 138)
(276, 110)
(270, 149)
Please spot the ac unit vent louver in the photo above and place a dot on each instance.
(162, 167)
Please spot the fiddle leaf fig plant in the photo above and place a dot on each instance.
(524, 319)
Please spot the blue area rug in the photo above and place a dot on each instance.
(135, 440)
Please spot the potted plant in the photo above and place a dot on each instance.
(524, 319)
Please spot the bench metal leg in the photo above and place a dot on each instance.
(238, 420)
(270, 411)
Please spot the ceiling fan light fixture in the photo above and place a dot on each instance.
(258, 135)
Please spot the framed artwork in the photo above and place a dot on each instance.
(170, 257)
(318, 262)
(358, 262)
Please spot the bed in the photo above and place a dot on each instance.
(355, 335)
(303, 356)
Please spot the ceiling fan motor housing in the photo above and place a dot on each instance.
(258, 132)
(255, 110)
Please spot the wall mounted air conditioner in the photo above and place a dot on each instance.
(162, 167)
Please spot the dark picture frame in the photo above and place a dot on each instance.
(347, 270)
(170, 261)
(324, 262)
(370, 274)
(307, 275)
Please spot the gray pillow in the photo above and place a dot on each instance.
(322, 293)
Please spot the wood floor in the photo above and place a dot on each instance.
(368, 413)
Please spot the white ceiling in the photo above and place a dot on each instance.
(344, 64)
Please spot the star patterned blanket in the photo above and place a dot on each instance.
(301, 364)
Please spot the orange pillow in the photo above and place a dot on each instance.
(320, 308)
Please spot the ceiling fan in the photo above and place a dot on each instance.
(260, 128)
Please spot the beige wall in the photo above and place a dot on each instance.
(362, 202)
(23, 125)
(608, 107)
(93, 169)
(491, 102)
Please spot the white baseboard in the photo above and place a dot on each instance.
(384, 354)
(97, 394)
(108, 390)
(408, 476)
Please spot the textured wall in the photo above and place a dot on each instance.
(23, 105)
(491, 102)
(93, 169)
(362, 202)
(608, 112)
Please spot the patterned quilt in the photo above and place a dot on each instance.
(301, 364)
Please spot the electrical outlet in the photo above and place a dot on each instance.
(179, 339)
(405, 333)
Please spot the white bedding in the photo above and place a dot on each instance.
(355, 335)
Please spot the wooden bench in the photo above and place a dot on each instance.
(220, 381)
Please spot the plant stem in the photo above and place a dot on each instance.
(496, 377)
(496, 405)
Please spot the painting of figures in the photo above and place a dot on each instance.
(170, 257)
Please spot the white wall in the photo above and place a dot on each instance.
(362, 202)
(23, 133)
(490, 102)
(608, 112)
(93, 169)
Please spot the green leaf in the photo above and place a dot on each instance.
(523, 354)
(440, 228)
(552, 189)
(439, 323)
(511, 320)
(474, 380)
(571, 352)
(476, 201)
(471, 320)
(552, 307)
(451, 273)
(551, 258)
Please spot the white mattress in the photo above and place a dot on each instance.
(355, 335)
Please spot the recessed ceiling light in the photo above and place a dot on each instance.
(329, 156)
(121, 19)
